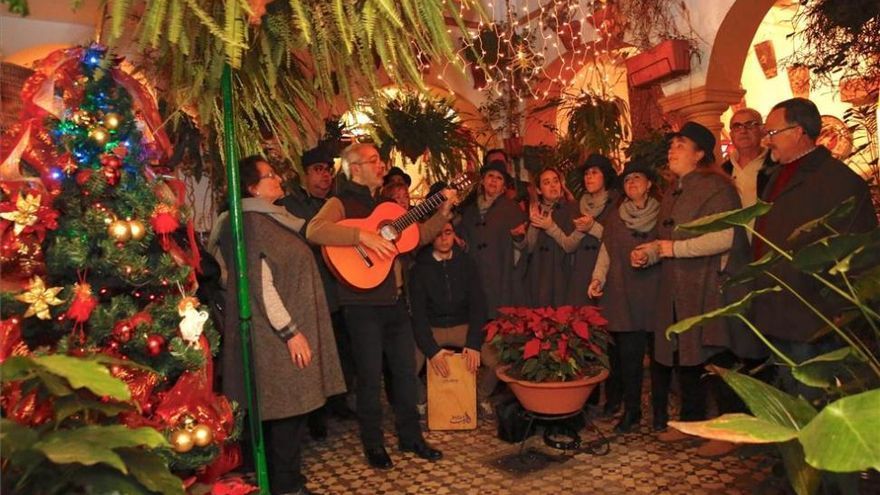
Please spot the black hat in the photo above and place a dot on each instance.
(700, 135)
(638, 167)
(315, 156)
(496, 165)
(604, 165)
(397, 171)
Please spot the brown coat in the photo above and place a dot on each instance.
(691, 286)
(820, 183)
(283, 390)
(549, 266)
(584, 258)
(629, 293)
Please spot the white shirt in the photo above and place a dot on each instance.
(746, 179)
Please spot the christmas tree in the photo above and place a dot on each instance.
(106, 351)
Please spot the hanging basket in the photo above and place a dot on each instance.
(551, 397)
(670, 58)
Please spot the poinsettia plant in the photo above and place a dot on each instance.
(550, 344)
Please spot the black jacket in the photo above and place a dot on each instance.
(444, 294)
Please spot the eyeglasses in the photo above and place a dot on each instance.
(745, 126)
(371, 161)
(773, 132)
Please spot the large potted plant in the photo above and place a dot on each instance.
(552, 357)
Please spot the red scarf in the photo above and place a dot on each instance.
(782, 180)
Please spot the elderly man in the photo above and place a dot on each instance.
(808, 184)
(749, 164)
(378, 320)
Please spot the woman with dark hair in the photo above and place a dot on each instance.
(295, 356)
(594, 207)
(692, 268)
(551, 220)
(627, 293)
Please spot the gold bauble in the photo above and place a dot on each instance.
(202, 435)
(181, 441)
(137, 228)
(111, 120)
(119, 231)
(98, 134)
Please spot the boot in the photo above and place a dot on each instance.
(629, 421)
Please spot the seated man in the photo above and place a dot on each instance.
(449, 309)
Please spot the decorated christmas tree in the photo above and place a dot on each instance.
(106, 351)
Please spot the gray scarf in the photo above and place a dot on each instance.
(277, 213)
(484, 203)
(640, 219)
(594, 204)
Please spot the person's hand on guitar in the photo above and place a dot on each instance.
(451, 201)
(300, 352)
(439, 364)
(378, 244)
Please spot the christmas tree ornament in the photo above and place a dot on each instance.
(25, 213)
(122, 331)
(81, 117)
(181, 441)
(138, 229)
(193, 322)
(111, 175)
(202, 435)
(119, 231)
(164, 219)
(111, 120)
(40, 298)
(83, 176)
(82, 304)
(99, 135)
(110, 160)
(155, 344)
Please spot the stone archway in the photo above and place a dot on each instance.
(721, 88)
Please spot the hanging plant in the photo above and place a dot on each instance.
(417, 125)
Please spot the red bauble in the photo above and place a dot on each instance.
(83, 176)
(164, 219)
(111, 175)
(122, 331)
(112, 161)
(155, 345)
(113, 346)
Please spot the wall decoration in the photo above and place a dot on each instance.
(767, 58)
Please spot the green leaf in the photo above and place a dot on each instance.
(17, 368)
(152, 471)
(16, 437)
(68, 406)
(820, 255)
(731, 310)
(94, 444)
(767, 402)
(739, 428)
(803, 477)
(754, 269)
(845, 436)
(106, 481)
(56, 385)
(727, 219)
(836, 368)
(85, 373)
(839, 212)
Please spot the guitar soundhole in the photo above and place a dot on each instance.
(389, 233)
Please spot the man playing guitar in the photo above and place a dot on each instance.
(378, 318)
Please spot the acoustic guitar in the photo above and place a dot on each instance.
(362, 268)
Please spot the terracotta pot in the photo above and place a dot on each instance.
(666, 60)
(551, 397)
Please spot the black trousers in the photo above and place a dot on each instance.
(284, 438)
(627, 368)
(376, 331)
(693, 393)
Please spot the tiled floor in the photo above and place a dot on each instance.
(636, 463)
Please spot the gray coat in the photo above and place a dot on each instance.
(691, 286)
(629, 293)
(283, 389)
(820, 183)
(490, 244)
(584, 258)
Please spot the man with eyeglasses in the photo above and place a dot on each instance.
(748, 164)
(378, 319)
(808, 183)
(304, 201)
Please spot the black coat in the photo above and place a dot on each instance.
(445, 294)
(584, 258)
(549, 266)
(820, 183)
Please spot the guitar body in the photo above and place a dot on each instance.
(362, 268)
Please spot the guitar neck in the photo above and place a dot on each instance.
(418, 212)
